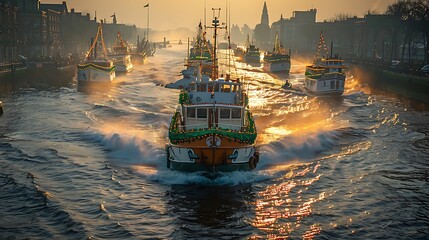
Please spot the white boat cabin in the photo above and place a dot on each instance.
(214, 104)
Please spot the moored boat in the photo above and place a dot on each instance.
(213, 129)
(277, 61)
(120, 55)
(325, 77)
(96, 69)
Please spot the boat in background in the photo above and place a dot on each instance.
(252, 53)
(325, 77)
(120, 55)
(198, 62)
(139, 55)
(213, 129)
(239, 53)
(277, 61)
(96, 68)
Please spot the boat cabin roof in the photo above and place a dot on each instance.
(196, 86)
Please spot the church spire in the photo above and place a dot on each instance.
(264, 17)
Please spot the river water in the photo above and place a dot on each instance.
(91, 165)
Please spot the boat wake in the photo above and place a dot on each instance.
(147, 158)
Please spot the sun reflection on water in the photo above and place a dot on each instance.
(281, 208)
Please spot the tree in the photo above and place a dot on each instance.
(411, 18)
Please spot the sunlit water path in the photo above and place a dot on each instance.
(78, 165)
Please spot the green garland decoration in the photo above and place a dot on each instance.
(95, 67)
(183, 98)
(247, 136)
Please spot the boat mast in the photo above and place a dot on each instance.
(147, 34)
(98, 37)
(322, 44)
(277, 44)
(215, 26)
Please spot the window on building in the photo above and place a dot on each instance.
(201, 113)
(190, 112)
(224, 113)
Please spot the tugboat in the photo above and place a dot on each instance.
(277, 61)
(96, 69)
(121, 56)
(252, 54)
(213, 129)
(325, 77)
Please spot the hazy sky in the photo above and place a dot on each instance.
(170, 14)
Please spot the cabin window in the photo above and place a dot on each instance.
(234, 88)
(216, 89)
(332, 84)
(224, 113)
(226, 88)
(210, 88)
(236, 113)
(324, 83)
(201, 113)
(190, 112)
(202, 87)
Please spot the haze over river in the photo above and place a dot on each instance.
(91, 165)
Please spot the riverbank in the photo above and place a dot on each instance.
(415, 87)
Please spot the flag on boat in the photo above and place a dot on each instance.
(147, 5)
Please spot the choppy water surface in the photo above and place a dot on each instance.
(91, 165)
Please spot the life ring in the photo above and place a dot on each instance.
(252, 162)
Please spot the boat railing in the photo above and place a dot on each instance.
(193, 126)
(216, 125)
(230, 126)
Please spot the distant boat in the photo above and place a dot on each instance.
(277, 61)
(213, 129)
(120, 55)
(198, 63)
(239, 53)
(139, 54)
(325, 76)
(252, 53)
(96, 68)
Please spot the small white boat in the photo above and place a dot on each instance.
(95, 68)
(325, 77)
(277, 61)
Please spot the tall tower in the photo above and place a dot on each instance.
(264, 17)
